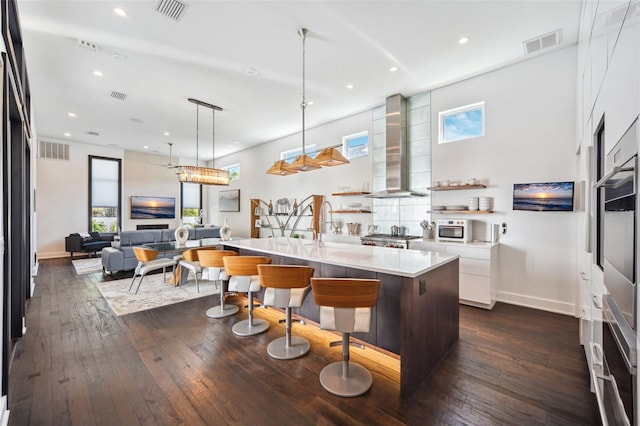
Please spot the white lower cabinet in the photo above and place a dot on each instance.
(478, 269)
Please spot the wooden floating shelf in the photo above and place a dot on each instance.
(351, 211)
(346, 194)
(454, 187)
(461, 211)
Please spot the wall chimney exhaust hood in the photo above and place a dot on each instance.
(397, 166)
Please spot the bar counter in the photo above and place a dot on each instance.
(416, 315)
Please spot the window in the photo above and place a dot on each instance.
(234, 171)
(356, 145)
(599, 166)
(191, 202)
(292, 154)
(461, 123)
(105, 193)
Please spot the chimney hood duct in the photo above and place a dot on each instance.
(397, 165)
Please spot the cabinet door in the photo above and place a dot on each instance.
(475, 288)
(475, 267)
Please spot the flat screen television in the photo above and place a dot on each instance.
(153, 207)
(542, 197)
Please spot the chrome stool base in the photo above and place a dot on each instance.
(358, 382)
(278, 348)
(222, 311)
(246, 328)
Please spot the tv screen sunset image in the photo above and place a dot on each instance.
(552, 196)
(153, 207)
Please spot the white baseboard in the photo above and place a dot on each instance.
(537, 303)
(4, 412)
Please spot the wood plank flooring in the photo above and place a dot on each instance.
(80, 364)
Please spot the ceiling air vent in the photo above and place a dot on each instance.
(92, 133)
(118, 95)
(87, 45)
(53, 150)
(172, 9)
(542, 42)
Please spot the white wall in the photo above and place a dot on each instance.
(254, 183)
(529, 137)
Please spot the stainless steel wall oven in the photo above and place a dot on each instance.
(620, 235)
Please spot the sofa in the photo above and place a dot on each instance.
(122, 258)
(92, 242)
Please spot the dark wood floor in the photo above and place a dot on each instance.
(80, 364)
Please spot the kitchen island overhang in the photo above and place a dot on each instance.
(417, 313)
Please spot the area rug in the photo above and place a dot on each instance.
(153, 293)
(87, 266)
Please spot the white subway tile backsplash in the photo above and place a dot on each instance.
(379, 140)
(421, 99)
(419, 164)
(421, 180)
(417, 132)
(379, 183)
(378, 113)
(379, 155)
(418, 115)
(419, 147)
(379, 170)
(379, 126)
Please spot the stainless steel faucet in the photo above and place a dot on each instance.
(322, 222)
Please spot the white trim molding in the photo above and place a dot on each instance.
(537, 303)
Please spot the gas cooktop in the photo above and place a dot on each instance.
(392, 237)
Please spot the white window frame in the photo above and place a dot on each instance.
(345, 144)
(443, 137)
(230, 167)
(310, 151)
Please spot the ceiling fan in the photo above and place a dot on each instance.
(169, 165)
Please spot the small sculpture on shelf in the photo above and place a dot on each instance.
(270, 208)
(295, 207)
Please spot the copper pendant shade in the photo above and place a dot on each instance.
(304, 163)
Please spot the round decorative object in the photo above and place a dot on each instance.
(182, 235)
(225, 231)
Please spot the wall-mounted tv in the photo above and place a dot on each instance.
(153, 207)
(541, 197)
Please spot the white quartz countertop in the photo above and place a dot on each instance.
(474, 244)
(400, 262)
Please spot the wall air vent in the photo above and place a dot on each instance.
(542, 42)
(118, 95)
(92, 133)
(53, 150)
(87, 45)
(172, 9)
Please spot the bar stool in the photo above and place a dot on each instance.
(212, 259)
(190, 261)
(147, 262)
(286, 286)
(345, 306)
(243, 273)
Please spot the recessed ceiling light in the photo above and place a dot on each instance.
(98, 73)
(67, 134)
(463, 40)
(235, 142)
(146, 147)
(72, 114)
(349, 86)
(393, 69)
(120, 12)
(251, 71)
(167, 133)
(310, 103)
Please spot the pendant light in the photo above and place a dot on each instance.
(204, 175)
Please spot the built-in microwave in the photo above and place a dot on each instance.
(453, 230)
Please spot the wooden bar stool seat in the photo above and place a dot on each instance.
(212, 259)
(243, 278)
(191, 262)
(345, 306)
(286, 286)
(147, 262)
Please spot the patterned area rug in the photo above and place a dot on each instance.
(87, 266)
(153, 293)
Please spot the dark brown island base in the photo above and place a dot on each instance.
(416, 316)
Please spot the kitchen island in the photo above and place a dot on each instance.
(416, 316)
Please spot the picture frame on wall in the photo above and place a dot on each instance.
(229, 201)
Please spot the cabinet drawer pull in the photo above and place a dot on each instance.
(597, 303)
(596, 354)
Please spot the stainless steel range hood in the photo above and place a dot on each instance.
(397, 155)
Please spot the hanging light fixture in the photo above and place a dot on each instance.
(204, 175)
(303, 163)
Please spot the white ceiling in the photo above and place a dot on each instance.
(205, 55)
